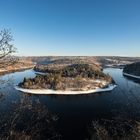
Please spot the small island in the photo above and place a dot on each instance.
(132, 70)
(79, 78)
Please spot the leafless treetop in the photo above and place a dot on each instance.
(6, 48)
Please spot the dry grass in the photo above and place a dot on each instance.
(28, 121)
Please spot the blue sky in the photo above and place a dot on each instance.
(73, 27)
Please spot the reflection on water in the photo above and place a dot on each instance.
(75, 114)
(132, 79)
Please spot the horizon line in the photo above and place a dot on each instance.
(74, 56)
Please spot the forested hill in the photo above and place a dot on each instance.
(72, 77)
(133, 69)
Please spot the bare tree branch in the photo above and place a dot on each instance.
(6, 48)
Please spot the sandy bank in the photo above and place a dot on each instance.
(49, 91)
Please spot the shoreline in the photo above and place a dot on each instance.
(61, 92)
(14, 70)
(40, 73)
(130, 75)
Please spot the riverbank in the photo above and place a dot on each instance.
(130, 75)
(3, 72)
(39, 73)
(66, 92)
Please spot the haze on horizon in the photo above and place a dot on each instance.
(73, 27)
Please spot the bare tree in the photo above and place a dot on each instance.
(6, 48)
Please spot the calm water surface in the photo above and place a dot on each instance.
(76, 112)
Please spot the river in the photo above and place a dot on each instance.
(77, 112)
